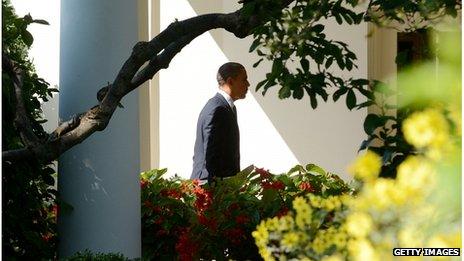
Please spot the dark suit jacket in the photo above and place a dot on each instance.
(217, 151)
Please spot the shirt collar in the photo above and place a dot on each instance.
(227, 97)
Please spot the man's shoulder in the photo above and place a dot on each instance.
(214, 105)
(215, 102)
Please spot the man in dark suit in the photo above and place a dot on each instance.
(217, 148)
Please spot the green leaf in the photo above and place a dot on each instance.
(313, 100)
(350, 99)
(297, 168)
(339, 93)
(257, 63)
(365, 144)
(284, 92)
(260, 84)
(329, 62)
(286, 180)
(369, 94)
(27, 38)
(28, 18)
(386, 157)
(372, 122)
(277, 67)
(40, 21)
(255, 44)
(318, 28)
(315, 169)
(321, 92)
(269, 195)
(298, 93)
(304, 64)
(49, 180)
(360, 82)
(338, 18)
(365, 104)
(349, 65)
(347, 18)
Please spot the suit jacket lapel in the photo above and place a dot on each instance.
(224, 102)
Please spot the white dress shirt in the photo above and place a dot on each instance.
(228, 98)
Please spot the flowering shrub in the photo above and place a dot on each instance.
(186, 221)
(420, 208)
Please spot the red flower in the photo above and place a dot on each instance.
(47, 237)
(236, 235)
(184, 187)
(150, 205)
(204, 199)
(277, 185)
(171, 193)
(159, 220)
(208, 222)
(264, 174)
(161, 232)
(55, 210)
(242, 219)
(282, 212)
(234, 206)
(143, 183)
(306, 186)
(185, 246)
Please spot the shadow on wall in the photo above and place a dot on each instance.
(328, 136)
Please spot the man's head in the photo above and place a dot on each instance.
(232, 78)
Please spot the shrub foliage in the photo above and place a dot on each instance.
(28, 218)
(181, 219)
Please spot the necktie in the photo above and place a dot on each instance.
(235, 111)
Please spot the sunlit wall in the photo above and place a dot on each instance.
(274, 134)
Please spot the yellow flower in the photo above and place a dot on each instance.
(359, 224)
(290, 240)
(426, 128)
(286, 223)
(381, 194)
(261, 234)
(333, 258)
(362, 250)
(315, 201)
(416, 175)
(446, 240)
(303, 212)
(272, 224)
(410, 237)
(455, 115)
(367, 166)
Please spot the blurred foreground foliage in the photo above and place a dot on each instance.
(420, 208)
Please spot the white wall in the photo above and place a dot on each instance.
(275, 134)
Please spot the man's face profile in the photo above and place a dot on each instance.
(239, 85)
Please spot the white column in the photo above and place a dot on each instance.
(100, 177)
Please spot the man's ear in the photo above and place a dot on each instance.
(229, 81)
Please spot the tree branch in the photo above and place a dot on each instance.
(158, 52)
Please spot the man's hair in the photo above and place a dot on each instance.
(230, 69)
